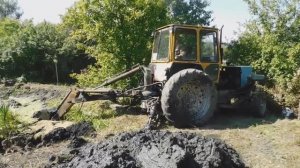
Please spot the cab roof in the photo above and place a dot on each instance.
(187, 26)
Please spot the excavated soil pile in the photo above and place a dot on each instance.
(25, 142)
(152, 149)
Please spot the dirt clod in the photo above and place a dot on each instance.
(28, 141)
(2, 165)
(152, 148)
(13, 103)
(43, 114)
(52, 158)
(77, 142)
(80, 129)
(9, 82)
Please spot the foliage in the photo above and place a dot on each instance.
(9, 27)
(100, 115)
(9, 8)
(271, 41)
(117, 33)
(30, 50)
(188, 12)
(294, 86)
(8, 122)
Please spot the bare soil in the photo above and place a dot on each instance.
(268, 142)
(155, 149)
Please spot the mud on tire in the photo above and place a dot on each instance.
(189, 98)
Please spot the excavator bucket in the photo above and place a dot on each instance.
(98, 93)
(79, 96)
(68, 101)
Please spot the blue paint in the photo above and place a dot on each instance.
(246, 72)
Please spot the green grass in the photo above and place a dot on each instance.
(99, 114)
(105, 119)
(53, 103)
(8, 122)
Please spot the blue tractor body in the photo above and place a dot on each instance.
(246, 73)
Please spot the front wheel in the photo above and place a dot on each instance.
(189, 98)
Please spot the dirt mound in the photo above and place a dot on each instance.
(25, 142)
(151, 148)
(59, 134)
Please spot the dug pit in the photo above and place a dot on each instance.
(153, 149)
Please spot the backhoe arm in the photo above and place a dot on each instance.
(98, 93)
(79, 96)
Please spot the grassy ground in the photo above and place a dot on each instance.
(267, 143)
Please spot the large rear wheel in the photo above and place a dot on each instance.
(189, 98)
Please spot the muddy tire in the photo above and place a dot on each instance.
(189, 98)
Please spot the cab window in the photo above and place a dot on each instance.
(185, 44)
(208, 46)
(161, 46)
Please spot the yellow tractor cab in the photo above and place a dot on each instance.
(178, 47)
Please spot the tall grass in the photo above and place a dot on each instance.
(8, 122)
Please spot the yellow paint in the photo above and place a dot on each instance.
(198, 29)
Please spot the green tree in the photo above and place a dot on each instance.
(10, 8)
(189, 12)
(116, 33)
(9, 29)
(271, 41)
(29, 50)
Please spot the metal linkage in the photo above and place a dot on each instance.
(121, 76)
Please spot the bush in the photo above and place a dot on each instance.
(8, 122)
(34, 52)
(270, 43)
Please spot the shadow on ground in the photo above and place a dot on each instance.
(225, 119)
(235, 119)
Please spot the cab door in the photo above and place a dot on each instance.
(209, 53)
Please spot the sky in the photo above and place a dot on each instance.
(230, 13)
(40, 10)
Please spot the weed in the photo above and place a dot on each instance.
(100, 124)
(8, 122)
(100, 118)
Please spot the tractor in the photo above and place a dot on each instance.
(186, 81)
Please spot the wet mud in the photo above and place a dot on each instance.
(26, 142)
(154, 149)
